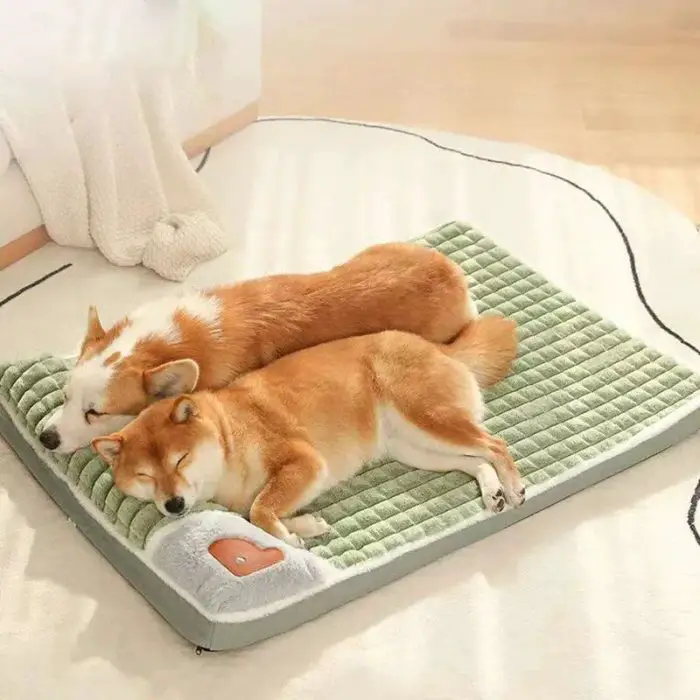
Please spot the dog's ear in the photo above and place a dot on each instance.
(95, 331)
(183, 409)
(171, 379)
(108, 447)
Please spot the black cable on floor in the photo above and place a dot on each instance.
(623, 236)
(36, 283)
(203, 162)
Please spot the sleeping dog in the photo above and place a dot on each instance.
(211, 337)
(272, 441)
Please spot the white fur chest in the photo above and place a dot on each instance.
(242, 481)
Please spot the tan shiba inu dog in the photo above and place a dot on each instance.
(276, 438)
(233, 329)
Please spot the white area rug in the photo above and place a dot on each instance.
(594, 598)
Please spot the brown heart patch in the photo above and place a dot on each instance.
(243, 557)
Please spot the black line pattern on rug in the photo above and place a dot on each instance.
(449, 149)
(692, 509)
(36, 283)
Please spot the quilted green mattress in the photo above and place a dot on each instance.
(585, 401)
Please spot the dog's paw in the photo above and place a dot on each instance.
(308, 525)
(294, 540)
(515, 492)
(314, 526)
(495, 501)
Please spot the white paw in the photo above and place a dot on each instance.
(294, 540)
(514, 489)
(314, 526)
(308, 525)
(515, 493)
(494, 500)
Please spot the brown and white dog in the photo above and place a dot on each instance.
(271, 442)
(221, 333)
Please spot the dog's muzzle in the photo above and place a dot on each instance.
(50, 439)
(175, 505)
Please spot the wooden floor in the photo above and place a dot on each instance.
(610, 82)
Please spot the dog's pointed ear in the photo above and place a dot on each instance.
(95, 331)
(171, 379)
(184, 409)
(108, 447)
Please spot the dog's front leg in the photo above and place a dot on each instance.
(293, 480)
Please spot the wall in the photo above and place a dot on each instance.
(226, 75)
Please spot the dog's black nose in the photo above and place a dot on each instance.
(175, 505)
(50, 438)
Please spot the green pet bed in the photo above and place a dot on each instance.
(584, 402)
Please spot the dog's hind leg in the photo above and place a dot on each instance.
(432, 403)
(445, 437)
(420, 457)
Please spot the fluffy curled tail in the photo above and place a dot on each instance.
(487, 346)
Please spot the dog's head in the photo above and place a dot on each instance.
(115, 378)
(170, 454)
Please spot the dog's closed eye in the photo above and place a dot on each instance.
(91, 414)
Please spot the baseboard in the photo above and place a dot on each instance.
(33, 240)
(221, 130)
(24, 245)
